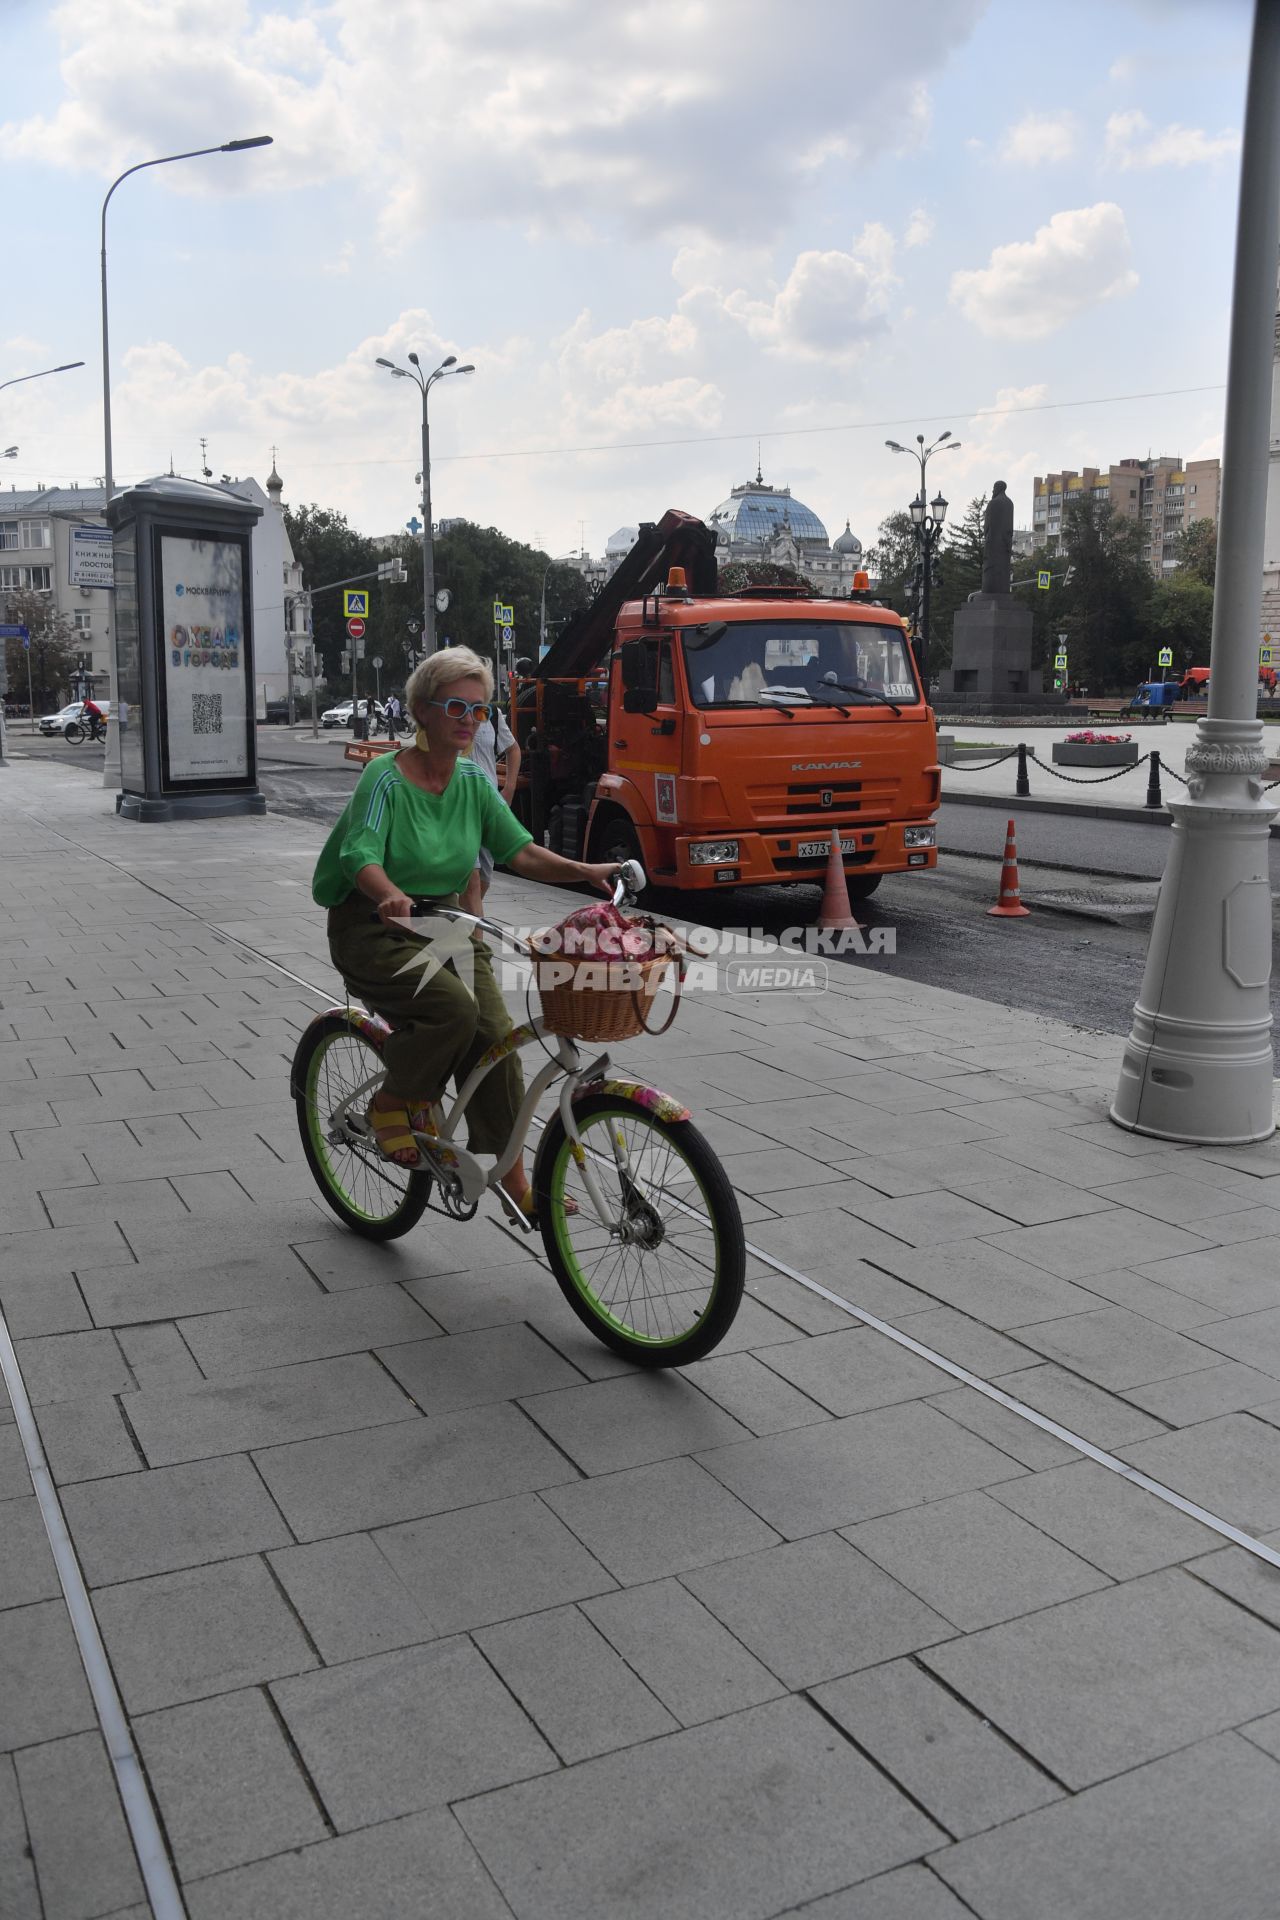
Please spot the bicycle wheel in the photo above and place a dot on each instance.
(373, 1196)
(74, 733)
(663, 1284)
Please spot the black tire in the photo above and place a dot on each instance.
(74, 733)
(614, 839)
(657, 1310)
(571, 833)
(862, 885)
(555, 828)
(372, 1196)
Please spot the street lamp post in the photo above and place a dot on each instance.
(928, 530)
(542, 617)
(425, 383)
(1198, 1063)
(44, 371)
(111, 774)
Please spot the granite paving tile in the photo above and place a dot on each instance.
(1105, 1518)
(908, 1893)
(42, 1303)
(487, 1563)
(151, 1290)
(1031, 1199)
(19, 1898)
(43, 1691)
(404, 1731)
(380, 1870)
(1179, 1197)
(932, 1219)
(630, 1421)
(966, 1341)
(1107, 1419)
(1236, 1280)
(646, 1522)
(65, 1366)
(86, 1440)
(402, 1472)
(855, 1468)
(814, 1609)
(753, 1394)
(27, 1571)
(852, 1371)
(474, 1369)
(580, 1841)
(991, 1286)
(1230, 1465)
(248, 1339)
(1073, 1249)
(158, 1357)
(15, 1479)
(185, 1516)
(30, 1257)
(1117, 1348)
(1250, 1337)
(695, 1666)
(204, 1631)
(583, 1698)
(228, 1786)
(266, 1409)
(124, 1200)
(951, 1763)
(974, 1561)
(349, 1599)
(1191, 1397)
(1188, 1836)
(1244, 1577)
(1077, 1688)
(83, 1854)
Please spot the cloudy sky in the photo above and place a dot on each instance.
(662, 230)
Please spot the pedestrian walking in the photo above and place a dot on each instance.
(493, 741)
(393, 715)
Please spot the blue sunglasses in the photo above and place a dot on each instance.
(458, 709)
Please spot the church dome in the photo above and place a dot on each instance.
(847, 542)
(756, 512)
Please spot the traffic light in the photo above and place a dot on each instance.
(393, 571)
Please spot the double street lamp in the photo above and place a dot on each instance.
(926, 520)
(111, 773)
(425, 382)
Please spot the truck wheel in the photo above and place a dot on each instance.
(574, 821)
(615, 841)
(555, 829)
(862, 886)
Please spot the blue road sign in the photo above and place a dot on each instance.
(15, 633)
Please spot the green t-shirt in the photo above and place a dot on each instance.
(426, 842)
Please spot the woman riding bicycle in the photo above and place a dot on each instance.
(413, 830)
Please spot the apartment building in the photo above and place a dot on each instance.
(1164, 496)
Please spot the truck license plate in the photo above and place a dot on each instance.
(808, 849)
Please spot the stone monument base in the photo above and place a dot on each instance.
(991, 655)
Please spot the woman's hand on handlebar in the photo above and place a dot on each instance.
(394, 906)
(602, 874)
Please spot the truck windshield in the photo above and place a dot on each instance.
(731, 663)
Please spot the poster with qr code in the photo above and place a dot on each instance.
(203, 645)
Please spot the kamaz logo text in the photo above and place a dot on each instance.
(821, 766)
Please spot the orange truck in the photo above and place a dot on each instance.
(720, 738)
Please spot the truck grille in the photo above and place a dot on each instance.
(851, 800)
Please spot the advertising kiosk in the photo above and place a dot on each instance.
(184, 651)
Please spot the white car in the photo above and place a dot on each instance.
(340, 716)
(51, 723)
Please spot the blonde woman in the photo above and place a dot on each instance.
(412, 830)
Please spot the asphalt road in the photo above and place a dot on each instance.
(1079, 960)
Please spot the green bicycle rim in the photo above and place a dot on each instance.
(600, 1307)
(372, 1176)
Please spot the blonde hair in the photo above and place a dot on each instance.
(441, 669)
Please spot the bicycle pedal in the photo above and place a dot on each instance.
(516, 1214)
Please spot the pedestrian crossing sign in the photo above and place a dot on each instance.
(1165, 657)
(355, 603)
(503, 616)
(1265, 656)
(1060, 662)
(1043, 579)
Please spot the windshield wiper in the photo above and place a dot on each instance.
(863, 692)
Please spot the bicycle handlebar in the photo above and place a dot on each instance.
(629, 882)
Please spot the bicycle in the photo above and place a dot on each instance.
(80, 730)
(651, 1255)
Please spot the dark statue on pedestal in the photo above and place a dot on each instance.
(997, 541)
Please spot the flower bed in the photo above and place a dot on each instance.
(1090, 749)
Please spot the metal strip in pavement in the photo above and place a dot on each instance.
(144, 1828)
(1098, 1455)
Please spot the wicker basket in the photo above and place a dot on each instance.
(585, 1009)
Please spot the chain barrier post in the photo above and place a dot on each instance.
(1023, 787)
(1153, 780)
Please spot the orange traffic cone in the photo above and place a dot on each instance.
(835, 911)
(1009, 906)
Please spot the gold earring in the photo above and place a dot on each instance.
(420, 740)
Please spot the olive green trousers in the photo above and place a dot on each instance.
(440, 1029)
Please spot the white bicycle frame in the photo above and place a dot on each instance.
(470, 1175)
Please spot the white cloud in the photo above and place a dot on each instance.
(1040, 139)
(830, 305)
(919, 229)
(1031, 287)
(1132, 142)
(652, 118)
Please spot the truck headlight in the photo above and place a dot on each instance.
(919, 836)
(713, 853)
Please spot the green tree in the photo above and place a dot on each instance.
(1196, 551)
(53, 654)
(328, 548)
(1179, 615)
(737, 574)
(1103, 606)
(892, 560)
(957, 574)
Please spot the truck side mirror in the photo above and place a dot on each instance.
(639, 677)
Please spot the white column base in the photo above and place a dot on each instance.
(1198, 1066)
